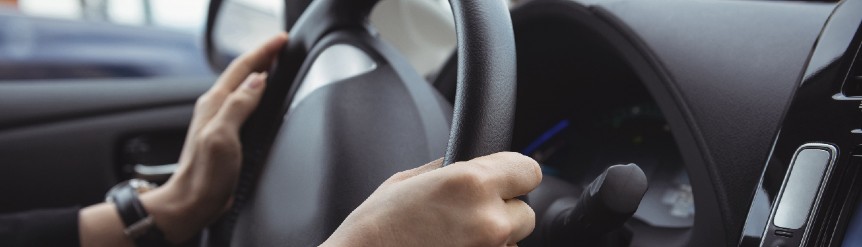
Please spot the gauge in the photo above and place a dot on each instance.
(577, 150)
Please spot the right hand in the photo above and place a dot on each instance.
(468, 203)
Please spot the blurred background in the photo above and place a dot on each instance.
(91, 39)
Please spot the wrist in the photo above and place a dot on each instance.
(177, 212)
(368, 235)
(196, 188)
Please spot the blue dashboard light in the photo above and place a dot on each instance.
(550, 171)
(542, 139)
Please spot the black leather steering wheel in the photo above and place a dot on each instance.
(343, 111)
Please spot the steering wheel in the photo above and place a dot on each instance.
(343, 111)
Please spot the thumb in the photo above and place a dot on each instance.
(401, 176)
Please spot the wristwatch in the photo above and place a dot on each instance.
(140, 226)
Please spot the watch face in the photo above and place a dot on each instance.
(139, 185)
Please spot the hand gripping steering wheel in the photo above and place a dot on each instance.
(343, 111)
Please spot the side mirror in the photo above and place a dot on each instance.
(242, 25)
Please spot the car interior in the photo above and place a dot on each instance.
(713, 122)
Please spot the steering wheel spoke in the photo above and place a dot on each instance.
(344, 111)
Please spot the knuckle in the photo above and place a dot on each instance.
(471, 179)
(239, 101)
(203, 101)
(533, 164)
(537, 173)
(217, 139)
(495, 230)
(525, 164)
(207, 100)
(531, 214)
(464, 186)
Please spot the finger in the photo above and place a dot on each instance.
(401, 176)
(257, 60)
(206, 107)
(239, 104)
(510, 174)
(522, 217)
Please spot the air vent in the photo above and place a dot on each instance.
(853, 83)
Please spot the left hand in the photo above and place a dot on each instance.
(202, 187)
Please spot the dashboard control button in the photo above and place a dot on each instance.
(802, 186)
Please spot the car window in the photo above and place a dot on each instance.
(93, 39)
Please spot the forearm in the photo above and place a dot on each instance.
(180, 217)
(100, 225)
(45, 227)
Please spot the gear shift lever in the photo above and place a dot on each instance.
(610, 200)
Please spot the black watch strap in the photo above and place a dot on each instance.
(140, 226)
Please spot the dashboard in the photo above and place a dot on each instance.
(582, 108)
(711, 98)
(809, 189)
(578, 152)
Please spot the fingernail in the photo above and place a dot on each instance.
(257, 80)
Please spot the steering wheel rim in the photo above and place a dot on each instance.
(483, 108)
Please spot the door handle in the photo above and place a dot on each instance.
(151, 156)
(155, 173)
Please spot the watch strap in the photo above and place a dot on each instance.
(140, 226)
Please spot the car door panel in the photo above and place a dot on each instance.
(62, 143)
